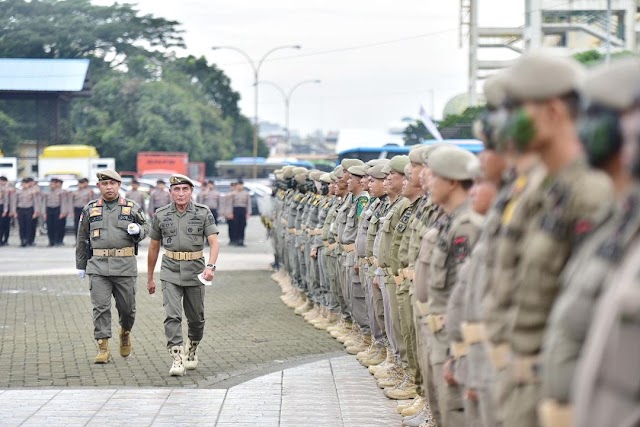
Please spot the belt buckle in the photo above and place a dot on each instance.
(111, 252)
(180, 256)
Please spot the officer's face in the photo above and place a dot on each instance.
(440, 188)
(416, 171)
(394, 182)
(493, 165)
(109, 189)
(181, 193)
(376, 187)
(482, 195)
(353, 183)
(135, 186)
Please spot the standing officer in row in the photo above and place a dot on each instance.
(159, 197)
(54, 212)
(108, 236)
(5, 212)
(183, 226)
(25, 207)
(210, 197)
(79, 199)
(241, 208)
(136, 195)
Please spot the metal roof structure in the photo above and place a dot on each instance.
(18, 75)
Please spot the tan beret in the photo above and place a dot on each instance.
(616, 85)
(452, 163)
(287, 172)
(377, 172)
(347, 163)
(397, 164)
(357, 170)
(326, 178)
(301, 178)
(333, 177)
(300, 170)
(279, 176)
(107, 174)
(177, 179)
(540, 75)
(315, 175)
(407, 170)
(415, 155)
(430, 149)
(494, 90)
(338, 171)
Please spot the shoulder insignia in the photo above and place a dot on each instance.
(163, 208)
(460, 248)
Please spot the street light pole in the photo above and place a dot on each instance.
(255, 67)
(287, 103)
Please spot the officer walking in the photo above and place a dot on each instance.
(109, 232)
(159, 197)
(54, 212)
(25, 207)
(136, 195)
(182, 226)
(79, 199)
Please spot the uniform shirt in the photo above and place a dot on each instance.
(329, 220)
(374, 225)
(570, 201)
(57, 198)
(356, 208)
(105, 226)
(157, 199)
(211, 198)
(182, 232)
(402, 233)
(4, 198)
(583, 283)
(341, 220)
(391, 219)
(241, 199)
(361, 237)
(81, 196)
(25, 198)
(137, 196)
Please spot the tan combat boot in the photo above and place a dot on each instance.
(402, 406)
(395, 378)
(103, 355)
(373, 369)
(338, 326)
(303, 307)
(191, 358)
(323, 314)
(312, 314)
(376, 357)
(362, 345)
(330, 321)
(405, 390)
(418, 405)
(177, 367)
(125, 343)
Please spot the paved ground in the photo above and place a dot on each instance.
(260, 364)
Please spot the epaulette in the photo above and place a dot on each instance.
(297, 197)
(91, 204)
(163, 208)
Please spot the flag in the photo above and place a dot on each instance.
(428, 123)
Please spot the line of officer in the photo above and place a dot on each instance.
(25, 207)
(79, 199)
(55, 209)
(136, 195)
(109, 231)
(159, 197)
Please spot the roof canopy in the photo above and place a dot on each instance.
(43, 75)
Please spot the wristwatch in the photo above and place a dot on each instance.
(211, 266)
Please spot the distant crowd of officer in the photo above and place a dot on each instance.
(492, 290)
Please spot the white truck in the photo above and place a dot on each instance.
(72, 162)
(9, 168)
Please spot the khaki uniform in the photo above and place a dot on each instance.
(338, 229)
(78, 199)
(606, 382)
(138, 197)
(366, 268)
(107, 252)
(183, 236)
(583, 282)
(5, 211)
(455, 241)
(55, 203)
(24, 203)
(372, 252)
(568, 205)
(157, 199)
(329, 243)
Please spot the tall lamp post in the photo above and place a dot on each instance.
(255, 66)
(287, 103)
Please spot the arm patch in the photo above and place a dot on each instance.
(460, 248)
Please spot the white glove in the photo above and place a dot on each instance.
(82, 274)
(133, 228)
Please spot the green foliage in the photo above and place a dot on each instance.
(416, 133)
(8, 135)
(144, 99)
(593, 57)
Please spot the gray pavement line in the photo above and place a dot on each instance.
(335, 386)
(161, 406)
(224, 400)
(101, 407)
(234, 378)
(41, 406)
(281, 396)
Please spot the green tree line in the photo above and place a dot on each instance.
(144, 97)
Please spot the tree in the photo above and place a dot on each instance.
(79, 29)
(415, 133)
(8, 135)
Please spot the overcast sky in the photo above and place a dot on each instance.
(377, 60)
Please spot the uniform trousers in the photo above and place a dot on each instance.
(323, 276)
(76, 219)
(375, 306)
(313, 275)
(357, 302)
(55, 226)
(332, 279)
(239, 223)
(386, 303)
(447, 398)
(175, 298)
(521, 406)
(302, 257)
(292, 254)
(341, 276)
(123, 289)
(25, 223)
(480, 378)
(5, 225)
(408, 329)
